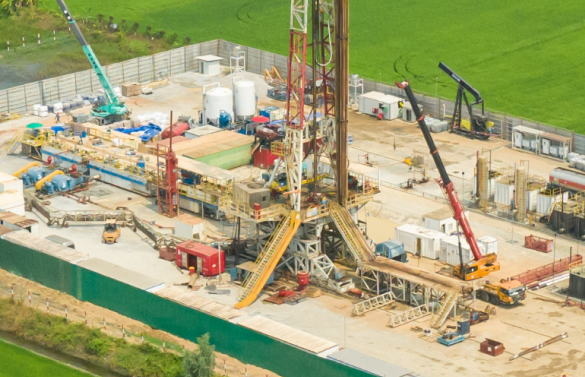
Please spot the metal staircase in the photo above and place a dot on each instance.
(355, 240)
(14, 143)
(409, 316)
(268, 259)
(373, 303)
(444, 309)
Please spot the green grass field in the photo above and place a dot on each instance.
(18, 362)
(526, 57)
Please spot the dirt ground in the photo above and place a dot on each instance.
(96, 315)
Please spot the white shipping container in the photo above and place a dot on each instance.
(442, 221)
(419, 240)
(490, 243)
(450, 250)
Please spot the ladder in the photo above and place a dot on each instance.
(444, 309)
(268, 259)
(373, 303)
(408, 316)
(355, 240)
(14, 143)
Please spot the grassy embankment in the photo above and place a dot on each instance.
(89, 344)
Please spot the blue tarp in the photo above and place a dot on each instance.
(150, 131)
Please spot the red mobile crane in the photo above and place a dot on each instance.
(482, 265)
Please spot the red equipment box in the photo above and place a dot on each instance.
(205, 259)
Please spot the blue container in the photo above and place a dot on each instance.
(83, 135)
(349, 139)
(141, 164)
(266, 111)
(463, 327)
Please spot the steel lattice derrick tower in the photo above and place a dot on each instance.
(295, 106)
(341, 58)
(324, 69)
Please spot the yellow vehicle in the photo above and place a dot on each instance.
(507, 292)
(111, 232)
(477, 269)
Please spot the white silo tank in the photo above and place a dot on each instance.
(245, 98)
(218, 99)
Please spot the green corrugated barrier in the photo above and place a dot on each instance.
(239, 342)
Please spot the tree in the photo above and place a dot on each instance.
(202, 362)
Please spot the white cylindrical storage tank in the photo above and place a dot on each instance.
(531, 200)
(504, 191)
(218, 99)
(245, 93)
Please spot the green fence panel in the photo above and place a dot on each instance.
(36, 266)
(240, 342)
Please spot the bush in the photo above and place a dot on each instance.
(173, 38)
(202, 362)
(78, 340)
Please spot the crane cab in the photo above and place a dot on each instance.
(477, 269)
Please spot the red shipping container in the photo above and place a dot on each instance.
(205, 259)
(263, 158)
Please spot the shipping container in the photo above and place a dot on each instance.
(420, 241)
(490, 243)
(380, 105)
(205, 259)
(442, 220)
(450, 250)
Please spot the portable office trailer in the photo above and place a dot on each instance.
(450, 250)
(419, 240)
(383, 106)
(442, 220)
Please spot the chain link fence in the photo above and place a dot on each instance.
(160, 66)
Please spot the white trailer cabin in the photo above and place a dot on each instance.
(380, 105)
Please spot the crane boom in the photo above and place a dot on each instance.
(458, 79)
(456, 206)
(113, 104)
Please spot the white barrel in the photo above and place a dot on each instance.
(245, 98)
(36, 107)
(218, 99)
